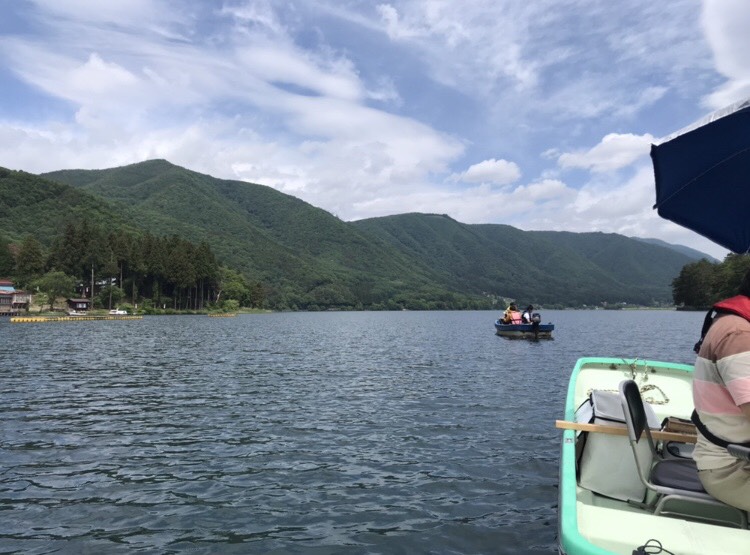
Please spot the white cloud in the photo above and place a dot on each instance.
(624, 208)
(498, 172)
(600, 206)
(259, 13)
(298, 93)
(396, 28)
(384, 90)
(480, 204)
(120, 12)
(522, 57)
(97, 77)
(614, 152)
(466, 44)
(275, 65)
(726, 23)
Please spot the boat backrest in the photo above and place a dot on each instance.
(634, 405)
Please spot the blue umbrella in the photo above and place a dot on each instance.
(703, 177)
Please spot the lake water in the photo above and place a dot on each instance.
(309, 433)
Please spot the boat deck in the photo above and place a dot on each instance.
(617, 527)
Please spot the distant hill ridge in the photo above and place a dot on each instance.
(692, 253)
(308, 257)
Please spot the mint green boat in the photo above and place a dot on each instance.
(605, 506)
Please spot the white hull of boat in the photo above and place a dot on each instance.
(590, 523)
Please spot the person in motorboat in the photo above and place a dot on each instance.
(721, 394)
(512, 316)
(527, 314)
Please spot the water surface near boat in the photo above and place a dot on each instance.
(400, 432)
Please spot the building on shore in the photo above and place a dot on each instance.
(13, 301)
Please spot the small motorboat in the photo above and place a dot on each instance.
(533, 330)
(606, 503)
(117, 312)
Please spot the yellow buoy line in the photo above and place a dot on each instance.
(31, 319)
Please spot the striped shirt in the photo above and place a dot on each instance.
(721, 384)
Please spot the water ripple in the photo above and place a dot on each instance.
(293, 433)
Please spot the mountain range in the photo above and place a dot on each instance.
(307, 257)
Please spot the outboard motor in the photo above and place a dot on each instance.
(536, 319)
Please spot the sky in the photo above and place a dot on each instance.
(538, 114)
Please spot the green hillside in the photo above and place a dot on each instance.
(547, 267)
(30, 205)
(308, 258)
(628, 261)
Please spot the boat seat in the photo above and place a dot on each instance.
(673, 482)
(678, 474)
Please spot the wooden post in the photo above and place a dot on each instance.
(623, 431)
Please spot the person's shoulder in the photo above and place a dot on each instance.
(729, 323)
(728, 336)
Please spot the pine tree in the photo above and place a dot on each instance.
(30, 261)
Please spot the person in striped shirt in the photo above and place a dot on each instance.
(721, 394)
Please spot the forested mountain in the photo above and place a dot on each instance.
(30, 205)
(547, 266)
(304, 255)
(308, 258)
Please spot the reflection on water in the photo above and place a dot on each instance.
(409, 432)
